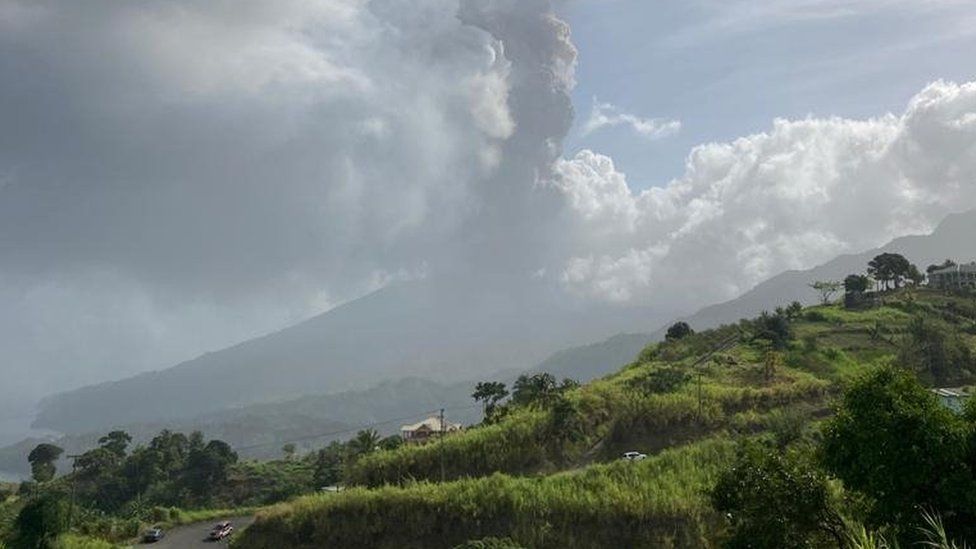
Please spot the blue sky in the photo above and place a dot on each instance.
(725, 69)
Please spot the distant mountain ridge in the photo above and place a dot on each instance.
(95, 407)
(954, 238)
(430, 328)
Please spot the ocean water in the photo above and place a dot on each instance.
(14, 428)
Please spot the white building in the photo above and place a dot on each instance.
(426, 429)
(956, 277)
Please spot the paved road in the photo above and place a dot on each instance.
(195, 535)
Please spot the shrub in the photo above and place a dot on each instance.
(661, 380)
(772, 499)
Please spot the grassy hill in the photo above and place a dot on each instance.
(547, 474)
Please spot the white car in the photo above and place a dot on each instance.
(634, 456)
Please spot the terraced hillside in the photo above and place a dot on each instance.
(546, 473)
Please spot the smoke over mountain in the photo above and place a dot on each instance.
(179, 176)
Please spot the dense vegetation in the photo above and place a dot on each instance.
(800, 428)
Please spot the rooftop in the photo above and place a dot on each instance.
(432, 423)
(966, 268)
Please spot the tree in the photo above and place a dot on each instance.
(95, 463)
(945, 265)
(116, 442)
(827, 289)
(328, 465)
(889, 269)
(678, 330)
(794, 310)
(288, 450)
(915, 276)
(934, 351)
(208, 466)
(41, 521)
(774, 499)
(489, 394)
(391, 442)
(365, 442)
(534, 389)
(773, 328)
(894, 442)
(856, 284)
(42, 459)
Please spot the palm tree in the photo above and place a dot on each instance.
(365, 441)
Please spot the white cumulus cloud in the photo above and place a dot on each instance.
(792, 197)
(607, 115)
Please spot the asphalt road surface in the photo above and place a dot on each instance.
(194, 535)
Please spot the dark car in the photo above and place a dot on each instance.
(152, 535)
(221, 530)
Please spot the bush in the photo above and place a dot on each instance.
(773, 500)
(814, 315)
(661, 380)
(893, 441)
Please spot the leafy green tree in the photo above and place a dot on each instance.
(95, 463)
(794, 310)
(489, 394)
(935, 352)
(775, 329)
(41, 521)
(678, 330)
(288, 450)
(893, 441)
(774, 500)
(855, 284)
(116, 442)
(945, 265)
(889, 269)
(565, 422)
(328, 465)
(365, 442)
(42, 459)
(208, 466)
(391, 442)
(537, 388)
(915, 276)
(827, 289)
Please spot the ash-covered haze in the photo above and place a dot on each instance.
(179, 176)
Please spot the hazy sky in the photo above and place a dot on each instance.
(176, 176)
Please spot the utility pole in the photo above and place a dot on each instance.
(700, 393)
(441, 442)
(74, 470)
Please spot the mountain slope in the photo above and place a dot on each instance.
(953, 238)
(530, 475)
(437, 329)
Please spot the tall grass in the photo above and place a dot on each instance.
(654, 503)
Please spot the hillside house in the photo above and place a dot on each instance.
(952, 398)
(418, 433)
(957, 277)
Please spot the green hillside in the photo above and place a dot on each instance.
(546, 473)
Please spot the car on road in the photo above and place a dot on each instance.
(153, 535)
(221, 530)
(634, 456)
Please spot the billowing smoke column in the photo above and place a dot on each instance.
(513, 233)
